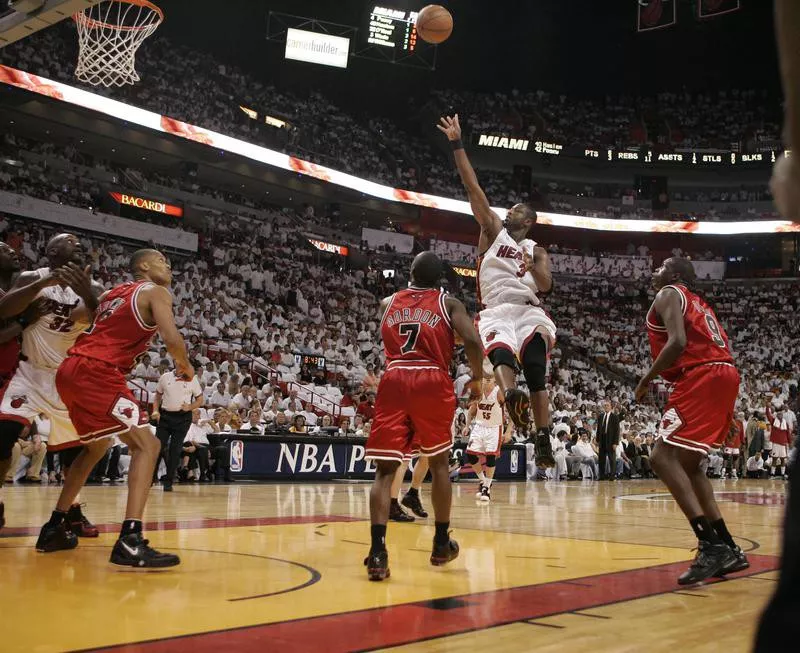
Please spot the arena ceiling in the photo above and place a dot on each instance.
(580, 46)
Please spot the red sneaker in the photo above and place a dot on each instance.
(78, 523)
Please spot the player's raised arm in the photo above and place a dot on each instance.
(487, 219)
(159, 301)
(24, 291)
(669, 308)
(472, 342)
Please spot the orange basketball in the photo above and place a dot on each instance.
(434, 24)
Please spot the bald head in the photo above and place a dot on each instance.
(64, 248)
(426, 270)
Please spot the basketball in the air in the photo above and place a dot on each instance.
(434, 24)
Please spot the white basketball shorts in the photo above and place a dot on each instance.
(513, 325)
(779, 451)
(32, 391)
(485, 440)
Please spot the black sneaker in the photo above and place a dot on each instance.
(740, 563)
(543, 450)
(2, 514)
(377, 565)
(444, 553)
(518, 406)
(133, 551)
(711, 560)
(79, 524)
(485, 495)
(396, 513)
(56, 538)
(413, 503)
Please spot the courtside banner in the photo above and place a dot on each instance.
(148, 205)
(144, 118)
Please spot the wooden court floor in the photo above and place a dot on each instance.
(589, 566)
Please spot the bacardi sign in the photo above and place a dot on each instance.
(321, 245)
(148, 205)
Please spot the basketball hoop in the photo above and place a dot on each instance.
(109, 34)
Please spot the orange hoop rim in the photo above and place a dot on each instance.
(81, 17)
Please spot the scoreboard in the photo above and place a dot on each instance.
(393, 28)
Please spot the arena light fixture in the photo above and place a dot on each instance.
(167, 125)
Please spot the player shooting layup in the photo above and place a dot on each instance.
(513, 327)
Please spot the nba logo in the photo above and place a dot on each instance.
(237, 456)
(514, 461)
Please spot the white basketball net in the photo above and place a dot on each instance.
(109, 34)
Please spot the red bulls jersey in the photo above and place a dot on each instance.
(118, 335)
(416, 329)
(706, 340)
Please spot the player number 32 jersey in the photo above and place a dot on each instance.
(706, 340)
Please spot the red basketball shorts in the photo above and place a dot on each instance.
(414, 410)
(98, 399)
(699, 412)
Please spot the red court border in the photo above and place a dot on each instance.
(374, 628)
(198, 523)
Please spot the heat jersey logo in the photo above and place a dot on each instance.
(18, 400)
(491, 336)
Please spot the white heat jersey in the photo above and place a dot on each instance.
(490, 412)
(46, 341)
(502, 278)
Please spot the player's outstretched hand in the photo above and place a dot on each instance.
(78, 279)
(474, 387)
(450, 127)
(184, 370)
(641, 389)
(785, 186)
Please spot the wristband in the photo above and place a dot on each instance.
(457, 145)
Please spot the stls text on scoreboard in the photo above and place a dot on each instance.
(393, 28)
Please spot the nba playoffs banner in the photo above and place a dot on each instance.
(68, 216)
(167, 125)
(315, 458)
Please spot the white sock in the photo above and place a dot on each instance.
(489, 482)
(482, 477)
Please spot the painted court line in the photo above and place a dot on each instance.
(413, 622)
(196, 523)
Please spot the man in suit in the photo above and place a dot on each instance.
(607, 440)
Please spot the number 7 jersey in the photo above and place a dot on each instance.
(706, 340)
(416, 330)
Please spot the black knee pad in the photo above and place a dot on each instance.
(491, 461)
(9, 433)
(502, 356)
(68, 456)
(472, 458)
(534, 363)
